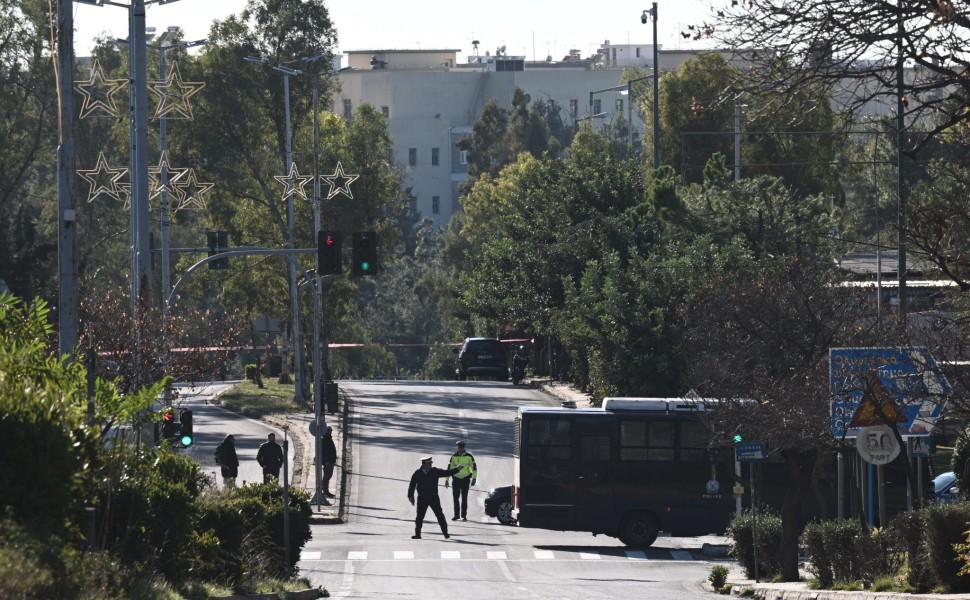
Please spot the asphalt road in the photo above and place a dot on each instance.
(372, 555)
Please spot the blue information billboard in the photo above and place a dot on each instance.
(909, 375)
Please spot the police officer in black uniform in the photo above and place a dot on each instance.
(425, 481)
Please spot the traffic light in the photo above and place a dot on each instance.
(218, 242)
(365, 253)
(185, 430)
(329, 257)
(168, 423)
(737, 438)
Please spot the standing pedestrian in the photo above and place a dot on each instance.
(425, 481)
(328, 458)
(270, 457)
(463, 479)
(226, 458)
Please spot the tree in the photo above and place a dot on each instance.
(28, 120)
(834, 45)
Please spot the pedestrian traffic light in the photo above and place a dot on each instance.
(168, 423)
(737, 438)
(185, 429)
(365, 253)
(218, 242)
(329, 253)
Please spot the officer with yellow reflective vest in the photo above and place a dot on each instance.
(463, 479)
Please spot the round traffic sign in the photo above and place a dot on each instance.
(877, 445)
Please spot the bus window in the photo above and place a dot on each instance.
(661, 441)
(693, 442)
(643, 440)
(594, 448)
(550, 438)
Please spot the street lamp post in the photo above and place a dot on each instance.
(629, 105)
(138, 100)
(652, 15)
(290, 219)
(162, 48)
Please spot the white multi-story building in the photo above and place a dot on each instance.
(431, 102)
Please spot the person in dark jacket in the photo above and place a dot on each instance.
(328, 458)
(425, 481)
(270, 457)
(226, 458)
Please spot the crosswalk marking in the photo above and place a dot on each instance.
(498, 555)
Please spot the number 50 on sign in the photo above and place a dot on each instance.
(877, 445)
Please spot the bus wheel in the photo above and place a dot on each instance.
(505, 513)
(638, 530)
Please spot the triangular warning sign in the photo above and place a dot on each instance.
(877, 406)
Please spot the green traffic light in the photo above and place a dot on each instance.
(186, 440)
(737, 438)
(365, 266)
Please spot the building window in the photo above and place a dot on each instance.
(348, 113)
(573, 108)
(435, 205)
(412, 156)
(387, 111)
(463, 157)
(435, 157)
(638, 51)
(619, 106)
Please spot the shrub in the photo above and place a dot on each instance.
(768, 534)
(830, 549)
(251, 372)
(946, 526)
(910, 526)
(718, 576)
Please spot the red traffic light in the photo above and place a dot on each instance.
(329, 241)
(168, 416)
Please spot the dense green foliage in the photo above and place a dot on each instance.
(153, 516)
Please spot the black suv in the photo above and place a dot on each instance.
(482, 357)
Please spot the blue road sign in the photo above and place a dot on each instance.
(750, 451)
(910, 375)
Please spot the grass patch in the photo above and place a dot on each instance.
(273, 398)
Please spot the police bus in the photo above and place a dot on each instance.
(631, 469)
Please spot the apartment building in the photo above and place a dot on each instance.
(431, 102)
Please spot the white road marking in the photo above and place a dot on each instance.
(496, 555)
(544, 554)
(403, 554)
(450, 554)
(590, 555)
(356, 556)
(636, 554)
(307, 555)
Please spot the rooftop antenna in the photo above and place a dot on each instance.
(474, 47)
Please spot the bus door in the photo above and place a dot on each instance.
(594, 474)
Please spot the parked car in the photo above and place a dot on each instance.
(498, 504)
(482, 357)
(945, 487)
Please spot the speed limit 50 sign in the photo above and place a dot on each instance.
(877, 445)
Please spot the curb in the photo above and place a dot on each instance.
(309, 594)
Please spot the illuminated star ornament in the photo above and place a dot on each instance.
(163, 177)
(191, 191)
(99, 94)
(173, 95)
(294, 182)
(339, 188)
(104, 180)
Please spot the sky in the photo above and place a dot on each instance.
(533, 28)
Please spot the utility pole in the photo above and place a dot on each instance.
(67, 303)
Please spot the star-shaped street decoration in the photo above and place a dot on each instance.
(162, 178)
(103, 180)
(336, 188)
(191, 191)
(99, 94)
(173, 95)
(294, 182)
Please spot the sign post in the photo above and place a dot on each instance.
(751, 452)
